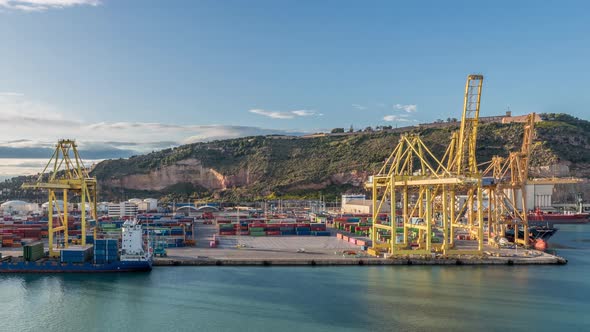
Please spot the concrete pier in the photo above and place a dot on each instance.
(244, 257)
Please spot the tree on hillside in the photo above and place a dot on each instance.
(337, 130)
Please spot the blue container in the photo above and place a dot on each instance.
(303, 232)
(322, 233)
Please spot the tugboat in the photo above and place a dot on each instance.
(133, 257)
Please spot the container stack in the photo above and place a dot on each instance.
(318, 229)
(33, 251)
(272, 228)
(288, 229)
(227, 229)
(175, 242)
(303, 229)
(357, 225)
(76, 254)
(257, 229)
(106, 251)
(242, 228)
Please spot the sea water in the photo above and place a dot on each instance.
(355, 298)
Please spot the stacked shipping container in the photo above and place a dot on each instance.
(106, 251)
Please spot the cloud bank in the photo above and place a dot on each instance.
(284, 115)
(43, 5)
(30, 129)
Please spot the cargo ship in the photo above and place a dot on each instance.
(543, 218)
(103, 256)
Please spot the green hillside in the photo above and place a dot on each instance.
(294, 167)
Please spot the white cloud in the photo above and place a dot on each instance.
(410, 108)
(42, 5)
(28, 124)
(359, 107)
(284, 115)
(397, 118)
(273, 114)
(304, 113)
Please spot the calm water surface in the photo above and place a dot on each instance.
(402, 298)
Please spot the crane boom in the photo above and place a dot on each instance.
(465, 160)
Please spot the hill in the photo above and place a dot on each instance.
(298, 167)
(295, 167)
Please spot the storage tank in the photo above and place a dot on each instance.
(15, 207)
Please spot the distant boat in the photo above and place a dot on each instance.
(540, 218)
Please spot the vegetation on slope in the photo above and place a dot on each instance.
(305, 167)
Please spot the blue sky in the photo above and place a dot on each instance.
(124, 76)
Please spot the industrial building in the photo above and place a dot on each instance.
(358, 204)
(122, 209)
(145, 205)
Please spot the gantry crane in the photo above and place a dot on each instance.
(431, 190)
(507, 190)
(65, 172)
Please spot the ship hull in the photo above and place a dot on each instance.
(57, 267)
(557, 218)
(542, 233)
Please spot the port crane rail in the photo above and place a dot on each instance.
(65, 172)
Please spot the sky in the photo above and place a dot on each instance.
(131, 76)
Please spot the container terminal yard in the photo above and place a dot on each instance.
(422, 209)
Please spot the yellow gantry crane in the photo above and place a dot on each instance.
(507, 190)
(64, 174)
(437, 196)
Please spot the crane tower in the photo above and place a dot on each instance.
(65, 174)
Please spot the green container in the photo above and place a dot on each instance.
(257, 233)
(256, 229)
(33, 251)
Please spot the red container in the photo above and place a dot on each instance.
(273, 233)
